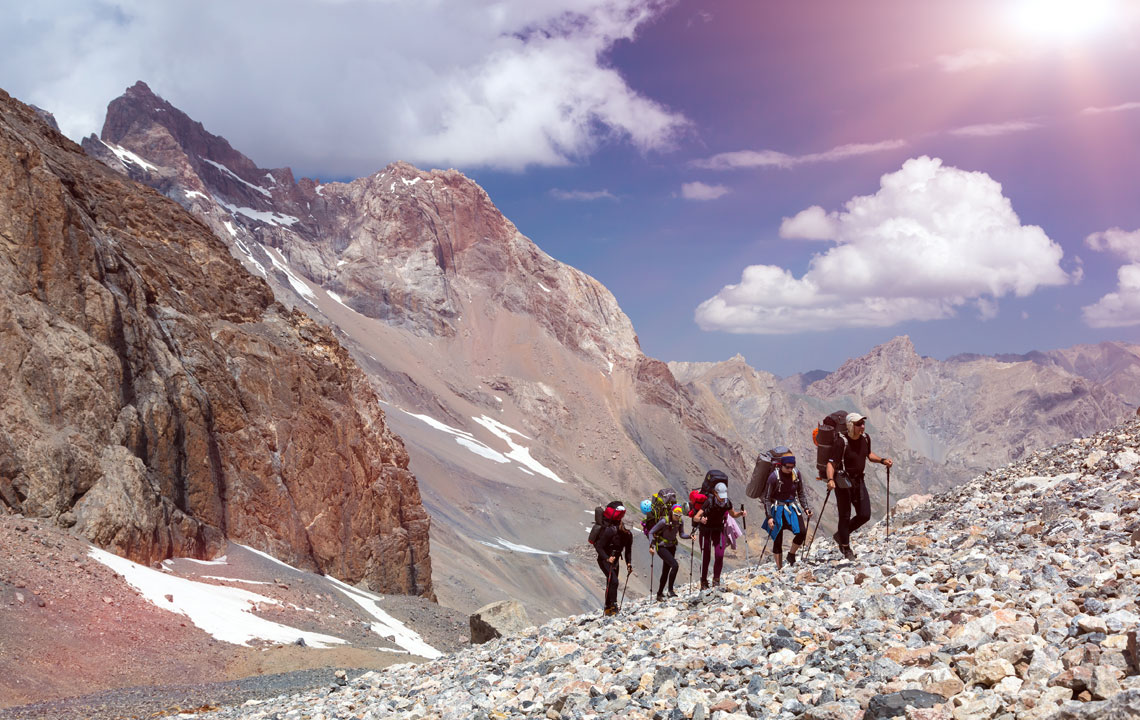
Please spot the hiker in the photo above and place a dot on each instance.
(663, 541)
(850, 456)
(713, 538)
(786, 505)
(615, 539)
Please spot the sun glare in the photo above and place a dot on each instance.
(1062, 19)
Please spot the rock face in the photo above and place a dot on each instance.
(1019, 608)
(158, 400)
(498, 619)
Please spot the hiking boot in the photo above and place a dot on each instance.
(716, 582)
(610, 611)
(791, 558)
(660, 597)
(704, 584)
(847, 552)
(671, 593)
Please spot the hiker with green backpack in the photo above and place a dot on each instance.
(785, 503)
(663, 541)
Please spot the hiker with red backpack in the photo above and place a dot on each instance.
(611, 542)
(785, 503)
(711, 518)
(847, 462)
(663, 541)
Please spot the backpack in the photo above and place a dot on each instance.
(765, 461)
(604, 517)
(825, 435)
(696, 501)
(712, 477)
(659, 507)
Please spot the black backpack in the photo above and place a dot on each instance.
(603, 518)
(765, 461)
(712, 477)
(829, 432)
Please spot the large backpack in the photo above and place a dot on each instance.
(604, 517)
(825, 435)
(696, 502)
(659, 507)
(712, 477)
(765, 461)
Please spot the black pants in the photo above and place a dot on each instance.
(669, 567)
(612, 571)
(798, 540)
(710, 545)
(853, 498)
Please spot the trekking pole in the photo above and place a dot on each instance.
(692, 553)
(811, 538)
(650, 590)
(745, 540)
(888, 501)
(627, 574)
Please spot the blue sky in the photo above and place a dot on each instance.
(961, 171)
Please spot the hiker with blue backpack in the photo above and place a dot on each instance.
(663, 541)
(785, 503)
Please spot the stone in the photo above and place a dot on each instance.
(498, 619)
(1105, 682)
(895, 704)
(991, 672)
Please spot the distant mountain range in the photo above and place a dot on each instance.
(518, 385)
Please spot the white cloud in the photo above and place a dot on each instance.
(344, 87)
(931, 240)
(811, 224)
(1120, 308)
(701, 191)
(995, 129)
(1123, 107)
(582, 195)
(970, 59)
(773, 158)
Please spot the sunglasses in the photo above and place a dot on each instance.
(861, 423)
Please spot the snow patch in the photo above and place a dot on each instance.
(406, 182)
(230, 226)
(338, 299)
(269, 557)
(126, 156)
(518, 453)
(234, 175)
(298, 284)
(223, 612)
(339, 263)
(272, 180)
(386, 625)
(320, 189)
(245, 250)
(195, 194)
(544, 288)
(271, 218)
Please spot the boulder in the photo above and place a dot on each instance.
(498, 619)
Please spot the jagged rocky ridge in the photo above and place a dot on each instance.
(1012, 597)
(157, 400)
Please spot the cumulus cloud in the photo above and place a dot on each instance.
(582, 195)
(773, 158)
(1120, 308)
(970, 59)
(930, 241)
(701, 191)
(1123, 107)
(345, 86)
(995, 129)
(811, 224)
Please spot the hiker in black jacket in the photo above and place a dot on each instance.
(663, 541)
(849, 456)
(786, 504)
(615, 539)
(713, 538)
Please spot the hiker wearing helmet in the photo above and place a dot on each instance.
(615, 539)
(786, 505)
(850, 456)
(663, 541)
(713, 538)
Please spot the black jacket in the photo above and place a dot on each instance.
(613, 541)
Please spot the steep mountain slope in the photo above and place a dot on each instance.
(516, 381)
(1013, 596)
(157, 399)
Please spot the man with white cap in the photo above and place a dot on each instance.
(850, 456)
(711, 519)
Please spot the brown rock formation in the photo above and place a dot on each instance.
(157, 399)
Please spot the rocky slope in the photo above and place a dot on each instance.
(1013, 596)
(515, 380)
(157, 400)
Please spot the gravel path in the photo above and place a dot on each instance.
(151, 701)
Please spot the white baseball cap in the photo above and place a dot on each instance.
(721, 491)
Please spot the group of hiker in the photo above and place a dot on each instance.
(843, 451)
